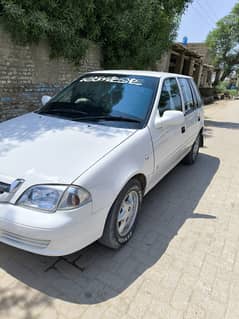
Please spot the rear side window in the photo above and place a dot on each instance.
(196, 94)
(170, 98)
(187, 94)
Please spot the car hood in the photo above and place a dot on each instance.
(43, 149)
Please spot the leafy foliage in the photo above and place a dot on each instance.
(223, 42)
(223, 87)
(132, 33)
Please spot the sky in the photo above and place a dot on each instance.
(201, 17)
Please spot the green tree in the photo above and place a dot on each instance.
(223, 43)
(132, 33)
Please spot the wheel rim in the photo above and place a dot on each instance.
(127, 213)
(196, 147)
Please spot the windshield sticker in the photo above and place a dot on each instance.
(112, 79)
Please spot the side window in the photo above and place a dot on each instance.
(194, 94)
(197, 94)
(187, 94)
(170, 98)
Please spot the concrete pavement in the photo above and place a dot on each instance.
(182, 263)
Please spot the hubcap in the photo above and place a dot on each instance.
(196, 147)
(127, 213)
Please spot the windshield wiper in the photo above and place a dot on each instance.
(65, 111)
(107, 118)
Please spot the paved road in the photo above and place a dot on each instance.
(183, 261)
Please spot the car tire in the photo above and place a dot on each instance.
(191, 157)
(122, 218)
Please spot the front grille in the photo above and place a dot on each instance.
(9, 237)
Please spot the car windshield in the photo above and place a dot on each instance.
(115, 100)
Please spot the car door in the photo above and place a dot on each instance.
(168, 141)
(190, 112)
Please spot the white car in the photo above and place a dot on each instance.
(76, 170)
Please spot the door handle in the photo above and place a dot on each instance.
(199, 119)
(183, 129)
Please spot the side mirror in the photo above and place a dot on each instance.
(169, 118)
(45, 99)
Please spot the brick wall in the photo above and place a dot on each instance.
(27, 73)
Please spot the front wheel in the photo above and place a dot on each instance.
(122, 218)
(193, 154)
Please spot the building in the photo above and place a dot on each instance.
(191, 59)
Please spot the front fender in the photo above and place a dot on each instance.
(108, 176)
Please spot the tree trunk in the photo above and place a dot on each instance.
(217, 78)
(226, 73)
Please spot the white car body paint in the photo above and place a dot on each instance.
(102, 159)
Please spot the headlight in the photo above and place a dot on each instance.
(53, 197)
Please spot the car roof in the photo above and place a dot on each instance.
(142, 73)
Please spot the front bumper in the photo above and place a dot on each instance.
(56, 234)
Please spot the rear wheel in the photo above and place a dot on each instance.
(122, 218)
(193, 154)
